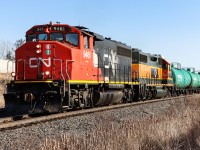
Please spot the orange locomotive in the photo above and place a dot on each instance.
(68, 67)
(153, 73)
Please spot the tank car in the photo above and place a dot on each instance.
(185, 79)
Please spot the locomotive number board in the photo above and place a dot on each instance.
(58, 28)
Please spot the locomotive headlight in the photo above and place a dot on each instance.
(47, 73)
(38, 46)
(38, 51)
(13, 74)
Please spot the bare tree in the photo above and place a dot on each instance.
(6, 49)
(19, 43)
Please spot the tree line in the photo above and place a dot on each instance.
(7, 49)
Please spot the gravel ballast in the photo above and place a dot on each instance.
(33, 137)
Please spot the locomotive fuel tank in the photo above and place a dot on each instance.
(107, 97)
(160, 92)
(181, 77)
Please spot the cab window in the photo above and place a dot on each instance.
(42, 36)
(86, 42)
(56, 36)
(31, 37)
(143, 58)
(165, 66)
(72, 38)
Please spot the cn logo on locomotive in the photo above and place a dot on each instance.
(34, 62)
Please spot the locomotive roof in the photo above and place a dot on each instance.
(155, 55)
(50, 25)
(84, 30)
(97, 37)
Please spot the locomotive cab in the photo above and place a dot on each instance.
(52, 50)
(54, 32)
(47, 53)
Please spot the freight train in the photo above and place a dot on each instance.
(69, 67)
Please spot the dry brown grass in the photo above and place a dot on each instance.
(179, 128)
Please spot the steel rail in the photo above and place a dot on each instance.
(8, 123)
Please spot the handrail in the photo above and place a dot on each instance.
(135, 74)
(24, 61)
(61, 71)
(69, 90)
(61, 75)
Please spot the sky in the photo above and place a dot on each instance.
(167, 27)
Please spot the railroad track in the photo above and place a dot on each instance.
(8, 123)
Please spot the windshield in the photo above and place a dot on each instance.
(56, 36)
(42, 36)
(31, 37)
(72, 38)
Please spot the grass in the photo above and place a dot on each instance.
(178, 128)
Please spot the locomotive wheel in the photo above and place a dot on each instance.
(168, 94)
(149, 95)
(72, 104)
(178, 93)
(89, 103)
(130, 96)
(174, 93)
(83, 103)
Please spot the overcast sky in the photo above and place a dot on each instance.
(167, 27)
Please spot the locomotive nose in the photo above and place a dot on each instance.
(41, 62)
